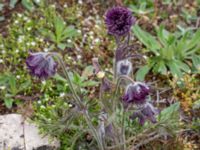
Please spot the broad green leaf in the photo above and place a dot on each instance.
(59, 78)
(162, 35)
(196, 61)
(183, 66)
(8, 102)
(169, 113)
(59, 27)
(174, 69)
(88, 71)
(141, 73)
(28, 4)
(194, 41)
(89, 83)
(69, 31)
(62, 46)
(24, 86)
(160, 67)
(3, 79)
(12, 84)
(12, 3)
(1, 6)
(2, 18)
(196, 104)
(147, 39)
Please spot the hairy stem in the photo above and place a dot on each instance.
(79, 102)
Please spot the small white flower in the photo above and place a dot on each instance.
(91, 47)
(29, 28)
(33, 43)
(20, 39)
(69, 40)
(17, 51)
(42, 107)
(18, 76)
(91, 37)
(39, 102)
(28, 44)
(101, 74)
(41, 39)
(19, 15)
(79, 31)
(28, 20)
(91, 33)
(97, 40)
(2, 87)
(106, 69)
(37, 1)
(97, 26)
(53, 6)
(85, 35)
(1, 60)
(70, 105)
(25, 18)
(3, 51)
(145, 57)
(80, 2)
(16, 22)
(79, 56)
(43, 82)
(46, 49)
(65, 5)
(62, 94)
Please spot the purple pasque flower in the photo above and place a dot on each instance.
(147, 112)
(119, 21)
(136, 93)
(124, 67)
(41, 65)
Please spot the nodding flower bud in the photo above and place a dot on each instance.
(136, 93)
(41, 65)
(147, 112)
(124, 67)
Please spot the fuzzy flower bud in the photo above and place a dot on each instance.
(119, 21)
(136, 93)
(41, 65)
(124, 67)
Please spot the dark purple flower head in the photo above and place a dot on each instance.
(119, 21)
(136, 93)
(148, 112)
(41, 65)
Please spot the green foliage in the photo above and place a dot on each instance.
(10, 88)
(60, 32)
(142, 7)
(169, 117)
(170, 52)
(196, 124)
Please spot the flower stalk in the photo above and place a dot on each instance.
(79, 102)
